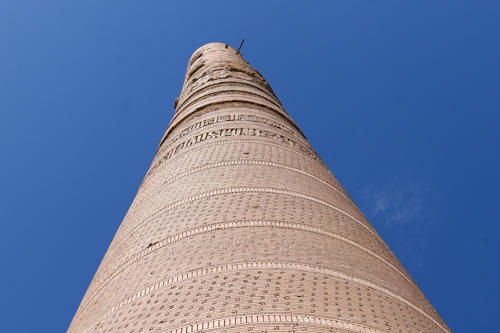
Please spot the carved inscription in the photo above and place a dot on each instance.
(232, 117)
(230, 132)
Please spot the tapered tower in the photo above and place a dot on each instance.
(239, 226)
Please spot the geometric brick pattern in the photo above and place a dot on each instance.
(239, 226)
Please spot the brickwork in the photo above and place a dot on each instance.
(239, 226)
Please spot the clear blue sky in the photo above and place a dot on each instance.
(400, 98)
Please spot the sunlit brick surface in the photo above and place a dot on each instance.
(239, 226)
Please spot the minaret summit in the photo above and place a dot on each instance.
(239, 226)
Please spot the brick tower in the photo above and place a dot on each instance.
(239, 226)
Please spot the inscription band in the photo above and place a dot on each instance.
(312, 158)
(227, 132)
(229, 118)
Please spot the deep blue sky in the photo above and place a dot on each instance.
(400, 98)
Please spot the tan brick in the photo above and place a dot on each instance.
(239, 226)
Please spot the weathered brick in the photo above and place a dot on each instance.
(239, 226)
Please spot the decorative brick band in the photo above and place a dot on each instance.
(227, 89)
(233, 116)
(314, 159)
(227, 97)
(261, 265)
(230, 132)
(232, 190)
(237, 224)
(275, 319)
(219, 82)
(238, 162)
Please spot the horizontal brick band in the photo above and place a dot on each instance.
(199, 104)
(239, 162)
(317, 161)
(227, 88)
(219, 82)
(237, 224)
(259, 265)
(228, 117)
(234, 190)
(231, 132)
(276, 318)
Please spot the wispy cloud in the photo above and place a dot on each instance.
(399, 202)
(400, 206)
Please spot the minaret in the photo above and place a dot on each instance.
(239, 226)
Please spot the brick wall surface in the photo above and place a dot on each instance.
(239, 226)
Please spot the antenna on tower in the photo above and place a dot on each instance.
(239, 48)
